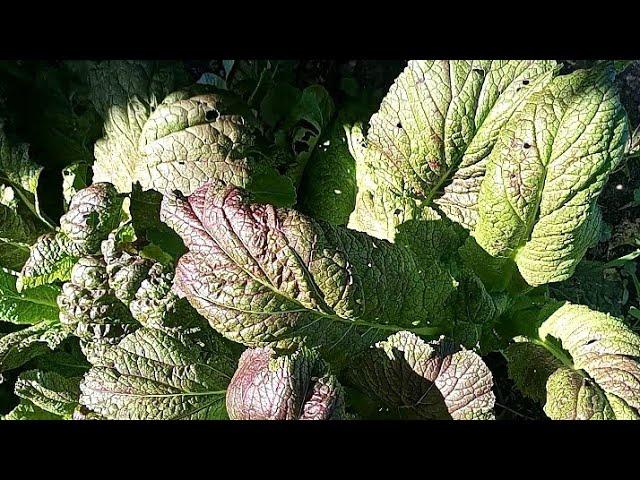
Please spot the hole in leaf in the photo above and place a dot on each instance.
(299, 147)
(525, 82)
(479, 71)
(211, 115)
(526, 145)
(397, 211)
(399, 125)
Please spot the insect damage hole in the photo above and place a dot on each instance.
(526, 145)
(211, 115)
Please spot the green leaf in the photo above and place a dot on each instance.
(17, 169)
(278, 102)
(594, 284)
(17, 348)
(125, 92)
(50, 105)
(26, 410)
(212, 79)
(428, 143)
(191, 139)
(28, 307)
(537, 205)
(75, 177)
(67, 360)
(155, 375)
(50, 391)
(17, 229)
(530, 366)
(597, 360)
(328, 187)
(253, 79)
(471, 314)
(269, 186)
(306, 122)
(621, 65)
(48, 262)
(423, 380)
(145, 218)
(20, 218)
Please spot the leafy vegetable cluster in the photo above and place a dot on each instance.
(251, 246)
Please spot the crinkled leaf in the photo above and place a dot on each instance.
(537, 205)
(50, 391)
(144, 285)
(27, 307)
(156, 375)
(48, 262)
(289, 387)
(125, 269)
(472, 313)
(156, 305)
(93, 213)
(191, 139)
(17, 348)
(432, 380)
(264, 276)
(89, 308)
